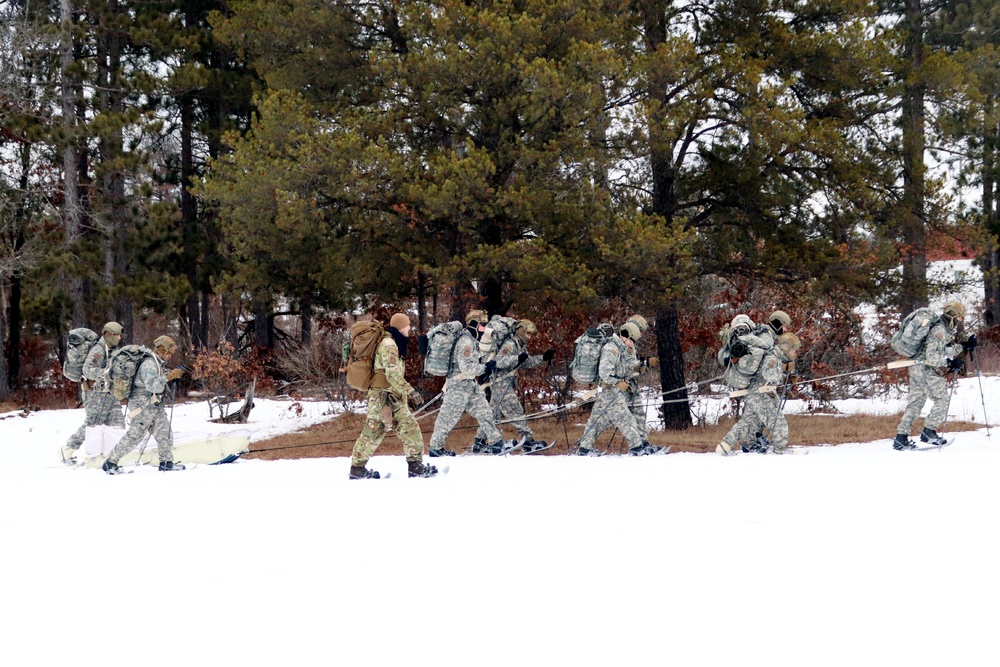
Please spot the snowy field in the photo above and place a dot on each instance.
(852, 555)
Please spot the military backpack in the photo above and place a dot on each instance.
(365, 337)
(78, 344)
(587, 353)
(910, 338)
(124, 363)
(441, 342)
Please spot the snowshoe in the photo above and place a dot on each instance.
(112, 468)
(418, 469)
(645, 449)
(530, 446)
(438, 453)
(930, 435)
(361, 472)
(902, 442)
(170, 466)
(479, 446)
(583, 451)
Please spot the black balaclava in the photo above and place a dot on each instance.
(402, 342)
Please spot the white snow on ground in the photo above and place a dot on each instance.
(852, 555)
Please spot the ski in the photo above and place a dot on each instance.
(928, 448)
(535, 450)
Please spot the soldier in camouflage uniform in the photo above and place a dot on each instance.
(766, 369)
(145, 409)
(615, 371)
(777, 323)
(939, 355)
(512, 356)
(463, 393)
(635, 403)
(387, 406)
(99, 405)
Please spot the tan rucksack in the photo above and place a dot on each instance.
(365, 337)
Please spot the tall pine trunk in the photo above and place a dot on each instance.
(676, 415)
(72, 206)
(991, 217)
(914, 224)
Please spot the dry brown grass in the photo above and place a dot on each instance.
(336, 437)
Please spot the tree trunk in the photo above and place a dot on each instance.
(305, 335)
(991, 217)
(71, 207)
(676, 411)
(914, 225)
(676, 416)
(4, 381)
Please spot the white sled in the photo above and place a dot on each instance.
(206, 448)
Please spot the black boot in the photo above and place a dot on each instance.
(170, 466)
(479, 446)
(436, 453)
(418, 469)
(931, 436)
(902, 442)
(112, 467)
(361, 472)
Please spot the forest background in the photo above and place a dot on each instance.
(250, 176)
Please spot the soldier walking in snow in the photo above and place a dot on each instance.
(145, 409)
(937, 355)
(99, 405)
(511, 357)
(387, 406)
(759, 369)
(616, 371)
(463, 393)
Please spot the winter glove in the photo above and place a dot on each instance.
(955, 364)
(548, 355)
(971, 343)
(521, 358)
(87, 385)
(739, 349)
(415, 398)
(175, 374)
(651, 362)
(490, 366)
(623, 385)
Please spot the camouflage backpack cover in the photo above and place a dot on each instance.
(910, 338)
(365, 337)
(122, 368)
(441, 341)
(587, 353)
(498, 330)
(78, 344)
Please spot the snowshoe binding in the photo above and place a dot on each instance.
(929, 435)
(645, 449)
(438, 453)
(361, 472)
(170, 466)
(419, 469)
(902, 442)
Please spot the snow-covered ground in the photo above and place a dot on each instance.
(852, 555)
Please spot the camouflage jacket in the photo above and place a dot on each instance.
(387, 360)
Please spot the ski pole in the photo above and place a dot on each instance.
(982, 398)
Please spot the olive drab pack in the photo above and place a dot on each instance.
(498, 330)
(124, 363)
(587, 353)
(78, 344)
(365, 337)
(911, 337)
(441, 341)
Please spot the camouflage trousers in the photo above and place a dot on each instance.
(101, 409)
(611, 410)
(925, 383)
(151, 419)
(386, 410)
(461, 396)
(504, 403)
(761, 413)
(638, 409)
